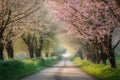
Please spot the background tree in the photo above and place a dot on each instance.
(11, 11)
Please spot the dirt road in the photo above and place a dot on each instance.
(64, 70)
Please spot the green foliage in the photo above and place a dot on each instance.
(118, 61)
(14, 69)
(101, 72)
(49, 61)
(117, 51)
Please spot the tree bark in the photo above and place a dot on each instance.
(9, 48)
(1, 51)
(38, 52)
(98, 58)
(103, 57)
(109, 49)
(31, 53)
(112, 58)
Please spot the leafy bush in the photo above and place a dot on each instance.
(14, 69)
(101, 72)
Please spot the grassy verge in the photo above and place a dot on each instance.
(118, 61)
(15, 69)
(101, 72)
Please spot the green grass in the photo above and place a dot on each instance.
(16, 69)
(118, 61)
(99, 71)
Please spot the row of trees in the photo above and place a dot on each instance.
(30, 21)
(95, 23)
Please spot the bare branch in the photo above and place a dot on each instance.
(116, 44)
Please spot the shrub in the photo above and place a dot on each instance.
(14, 69)
(100, 71)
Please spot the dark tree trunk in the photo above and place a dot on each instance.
(111, 53)
(1, 51)
(94, 58)
(91, 57)
(98, 58)
(112, 58)
(38, 53)
(109, 48)
(27, 40)
(3, 26)
(9, 48)
(31, 53)
(103, 57)
(81, 55)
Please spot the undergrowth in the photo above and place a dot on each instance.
(99, 71)
(15, 69)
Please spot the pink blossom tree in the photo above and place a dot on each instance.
(92, 20)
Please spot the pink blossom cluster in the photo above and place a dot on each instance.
(88, 18)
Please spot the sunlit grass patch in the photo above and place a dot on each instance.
(100, 71)
(15, 69)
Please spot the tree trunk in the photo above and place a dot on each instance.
(31, 53)
(112, 58)
(97, 58)
(111, 52)
(109, 49)
(103, 57)
(1, 51)
(81, 56)
(9, 48)
(38, 53)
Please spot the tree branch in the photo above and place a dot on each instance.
(116, 44)
(112, 11)
(24, 15)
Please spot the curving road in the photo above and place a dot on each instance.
(64, 70)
